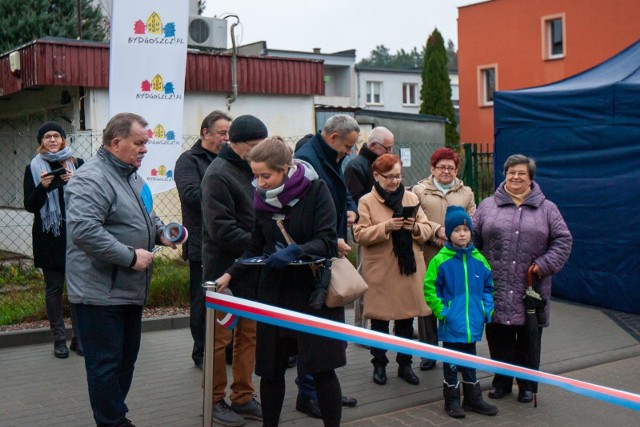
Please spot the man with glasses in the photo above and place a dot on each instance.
(359, 178)
(190, 168)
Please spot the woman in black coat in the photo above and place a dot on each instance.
(44, 181)
(292, 192)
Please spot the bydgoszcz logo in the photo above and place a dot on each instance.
(152, 31)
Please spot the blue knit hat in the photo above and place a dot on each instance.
(454, 217)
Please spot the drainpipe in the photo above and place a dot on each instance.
(234, 63)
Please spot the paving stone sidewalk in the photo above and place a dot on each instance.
(582, 342)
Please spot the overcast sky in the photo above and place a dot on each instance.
(336, 25)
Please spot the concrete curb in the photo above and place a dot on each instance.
(43, 335)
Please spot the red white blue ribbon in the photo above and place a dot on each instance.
(229, 321)
(181, 235)
(331, 329)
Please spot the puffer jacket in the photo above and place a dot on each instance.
(434, 203)
(458, 288)
(106, 222)
(512, 238)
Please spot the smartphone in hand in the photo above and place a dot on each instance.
(410, 211)
(56, 172)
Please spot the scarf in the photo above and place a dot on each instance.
(295, 186)
(50, 212)
(518, 198)
(442, 187)
(401, 239)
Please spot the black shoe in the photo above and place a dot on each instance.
(125, 423)
(76, 346)
(349, 401)
(525, 396)
(427, 364)
(60, 350)
(406, 373)
(379, 375)
(308, 406)
(498, 393)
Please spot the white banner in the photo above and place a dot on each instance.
(148, 58)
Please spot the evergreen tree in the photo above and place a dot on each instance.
(436, 88)
(25, 20)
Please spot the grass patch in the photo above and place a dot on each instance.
(22, 290)
(169, 283)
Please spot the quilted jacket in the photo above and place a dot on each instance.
(512, 238)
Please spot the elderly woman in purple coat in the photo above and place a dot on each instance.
(517, 229)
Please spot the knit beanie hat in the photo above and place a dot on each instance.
(247, 128)
(48, 127)
(454, 217)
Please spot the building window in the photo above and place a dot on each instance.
(374, 92)
(409, 91)
(487, 84)
(553, 37)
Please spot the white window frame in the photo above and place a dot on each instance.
(547, 31)
(409, 89)
(370, 86)
(483, 84)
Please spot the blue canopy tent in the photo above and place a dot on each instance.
(584, 133)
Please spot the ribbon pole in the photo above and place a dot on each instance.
(207, 371)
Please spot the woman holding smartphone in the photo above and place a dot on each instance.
(391, 229)
(44, 181)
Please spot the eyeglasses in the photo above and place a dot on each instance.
(385, 148)
(518, 174)
(391, 177)
(446, 168)
(52, 136)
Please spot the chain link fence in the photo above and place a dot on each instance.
(17, 150)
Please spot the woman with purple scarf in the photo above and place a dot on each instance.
(289, 192)
(44, 181)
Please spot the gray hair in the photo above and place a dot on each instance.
(521, 159)
(378, 134)
(120, 127)
(341, 124)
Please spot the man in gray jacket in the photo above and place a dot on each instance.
(111, 231)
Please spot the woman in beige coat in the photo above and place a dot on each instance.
(440, 190)
(391, 233)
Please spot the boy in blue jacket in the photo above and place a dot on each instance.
(458, 288)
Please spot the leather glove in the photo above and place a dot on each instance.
(282, 257)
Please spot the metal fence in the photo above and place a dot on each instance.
(477, 171)
(17, 150)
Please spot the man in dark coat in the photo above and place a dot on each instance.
(326, 151)
(190, 168)
(359, 178)
(227, 207)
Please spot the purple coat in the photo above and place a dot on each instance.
(511, 238)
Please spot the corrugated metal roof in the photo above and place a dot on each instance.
(65, 62)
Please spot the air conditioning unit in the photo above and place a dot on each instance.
(207, 32)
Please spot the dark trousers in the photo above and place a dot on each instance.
(198, 312)
(450, 370)
(272, 391)
(111, 340)
(507, 344)
(54, 285)
(403, 328)
(428, 330)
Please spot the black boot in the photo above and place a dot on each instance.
(473, 400)
(451, 395)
